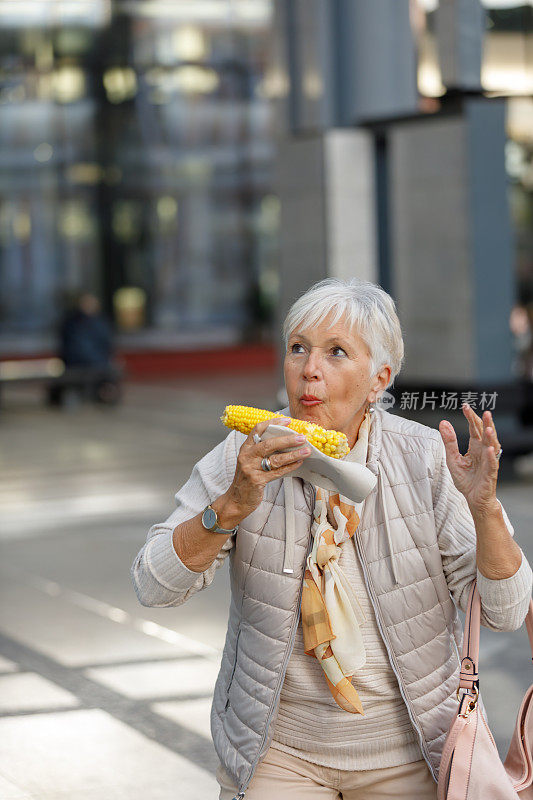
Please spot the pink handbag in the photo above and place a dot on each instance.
(470, 767)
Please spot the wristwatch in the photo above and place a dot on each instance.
(210, 522)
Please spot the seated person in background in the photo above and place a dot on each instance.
(85, 335)
(85, 340)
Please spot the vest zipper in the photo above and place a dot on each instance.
(288, 650)
(234, 666)
(392, 657)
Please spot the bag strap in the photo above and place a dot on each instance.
(469, 674)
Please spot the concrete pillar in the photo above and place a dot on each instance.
(451, 245)
(326, 187)
(460, 28)
(346, 61)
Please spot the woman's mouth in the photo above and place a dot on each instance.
(309, 400)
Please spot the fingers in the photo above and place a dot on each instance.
(283, 462)
(475, 424)
(490, 437)
(291, 440)
(272, 445)
(292, 444)
(261, 427)
(484, 426)
(449, 438)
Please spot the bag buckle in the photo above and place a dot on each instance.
(472, 704)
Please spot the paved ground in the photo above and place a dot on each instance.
(100, 697)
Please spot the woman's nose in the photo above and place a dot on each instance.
(312, 366)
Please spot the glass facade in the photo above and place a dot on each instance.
(136, 153)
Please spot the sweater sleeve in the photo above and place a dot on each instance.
(159, 576)
(505, 602)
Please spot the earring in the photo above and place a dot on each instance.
(371, 408)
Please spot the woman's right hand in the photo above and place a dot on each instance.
(246, 490)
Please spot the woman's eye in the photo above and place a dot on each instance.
(337, 347)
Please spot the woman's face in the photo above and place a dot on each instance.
(333, 365)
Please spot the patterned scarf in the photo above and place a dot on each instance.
(331, 612)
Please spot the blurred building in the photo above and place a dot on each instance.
(408, 160)
(198, 163)
(136, 154)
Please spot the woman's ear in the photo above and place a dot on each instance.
(383, 379)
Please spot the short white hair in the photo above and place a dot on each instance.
(366, 307)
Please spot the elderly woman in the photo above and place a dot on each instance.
(290, 717)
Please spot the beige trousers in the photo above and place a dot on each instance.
(281, 774)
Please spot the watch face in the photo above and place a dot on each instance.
(209, 518)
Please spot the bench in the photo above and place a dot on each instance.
(99, 384)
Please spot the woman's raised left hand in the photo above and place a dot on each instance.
(476, 473)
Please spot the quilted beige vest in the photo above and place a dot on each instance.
(396, 542)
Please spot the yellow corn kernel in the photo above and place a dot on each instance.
(244, 418)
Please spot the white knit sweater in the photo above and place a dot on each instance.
(309, 722)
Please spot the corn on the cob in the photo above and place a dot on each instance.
(244, 418)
